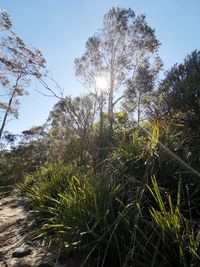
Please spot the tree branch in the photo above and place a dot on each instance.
(45, 85)
(118, 99)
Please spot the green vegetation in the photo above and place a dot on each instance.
(104, 187)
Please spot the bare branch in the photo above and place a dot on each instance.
(118, 99)
(45, 85)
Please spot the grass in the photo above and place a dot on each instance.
(120, 217)
(98, 219)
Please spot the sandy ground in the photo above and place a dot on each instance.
(16, 248)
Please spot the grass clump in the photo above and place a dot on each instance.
(113, 218)
(86, 214)
(178, 235)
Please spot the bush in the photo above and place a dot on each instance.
(108, 221)
(84, 213)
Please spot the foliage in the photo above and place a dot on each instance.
(107, 187)
(23, 154)
(120, 53)
(18, 64)
(107, 222)
(46, 181)
(71, 122)
(178, 233)
(82, 212)
(179, 106)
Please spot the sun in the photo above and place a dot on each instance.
(101, 82)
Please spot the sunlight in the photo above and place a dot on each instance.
(102, 83)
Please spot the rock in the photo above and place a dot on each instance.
(44, 265)
(1, 256)
(21, 252)
(21, 265)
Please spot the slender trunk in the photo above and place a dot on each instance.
(6, 114)
(101, 116)
(110, 106)
(101, 135)
(8, 107)
(138, 109)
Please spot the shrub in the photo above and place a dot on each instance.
(108, 221)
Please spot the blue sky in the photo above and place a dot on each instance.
(61, 28)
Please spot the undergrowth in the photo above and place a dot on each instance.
(122, 216)
(109, 223)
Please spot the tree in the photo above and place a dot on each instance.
(71, 126)
(18, 65)
(177, 106)
(180, 90)
(117, 52)
(28, 153)
(139, 91)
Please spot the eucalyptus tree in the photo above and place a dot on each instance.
(180, 91)
(140, 90)
(177, 106)
(71, 125)
(27, 152)
(18, 65)
(117, 52)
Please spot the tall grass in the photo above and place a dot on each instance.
(121, 217)
(84, 214)
(178, 233)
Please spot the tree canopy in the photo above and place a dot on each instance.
(18, 64)
(118, 51)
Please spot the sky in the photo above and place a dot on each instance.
(60, 29)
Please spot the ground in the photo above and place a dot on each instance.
(16, 247)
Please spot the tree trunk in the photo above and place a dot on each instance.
(101, 116)
(6, 115)
(138, 109)
(110, 108)
(101, 132)
(8, 107)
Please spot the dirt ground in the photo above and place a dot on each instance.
(16, 247)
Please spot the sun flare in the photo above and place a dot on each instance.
(101, 82)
